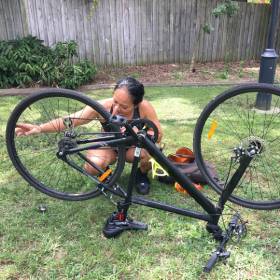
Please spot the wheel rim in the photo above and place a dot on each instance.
(232, 127)
(35, 156)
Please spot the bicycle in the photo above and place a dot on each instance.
(243, 149)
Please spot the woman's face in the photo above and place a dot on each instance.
(122, 103)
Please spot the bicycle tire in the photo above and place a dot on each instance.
(230, 121)
(35, 156)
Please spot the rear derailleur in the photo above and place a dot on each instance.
(236, 228)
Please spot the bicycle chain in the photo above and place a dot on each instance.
(110, 197)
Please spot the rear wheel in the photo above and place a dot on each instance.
(36, 156)
(231, 124)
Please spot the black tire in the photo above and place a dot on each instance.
(231, 121)
(35, 156)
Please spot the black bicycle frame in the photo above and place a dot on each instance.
(213, 212)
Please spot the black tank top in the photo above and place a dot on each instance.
(136, 115)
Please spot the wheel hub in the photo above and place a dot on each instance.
(65, 144)
(251, 146)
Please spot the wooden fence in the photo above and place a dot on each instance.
(115, 32)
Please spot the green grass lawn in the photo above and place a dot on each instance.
(66, 242)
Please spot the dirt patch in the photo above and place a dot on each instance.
(181, 73)
(169, 74)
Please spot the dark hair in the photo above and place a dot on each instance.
(134, 87)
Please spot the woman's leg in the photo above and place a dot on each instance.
(101, 157)
(142, 180)
(145, 165)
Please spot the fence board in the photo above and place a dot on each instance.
(3, 27)
(149, 24)
(189, 27)
(261, 31)
(87, 33)
(255, 33)
(264, 34)
(165, 35)
(139, 31)
(132, 31)
(9, 20)
(207, 38)
(194, 30)
(119, 16)
(155, 32)
(183, 31)
(160, 11)
(113, 31)
(177, 27)
(16, 12)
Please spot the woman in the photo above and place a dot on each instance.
(127, 101)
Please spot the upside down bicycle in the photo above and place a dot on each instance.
(238, 138)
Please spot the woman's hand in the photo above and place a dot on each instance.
(24, 129)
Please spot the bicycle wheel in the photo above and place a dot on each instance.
(36, 156)
(230, 124)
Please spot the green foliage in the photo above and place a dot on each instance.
(25, 62)
(207, 28)
(224, 74)
(240, 70)
(228, 8)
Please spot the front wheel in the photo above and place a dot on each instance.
(232, 123)
(36, 156)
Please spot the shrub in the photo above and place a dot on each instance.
(25, 62)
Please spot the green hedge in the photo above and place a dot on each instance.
(25, 62)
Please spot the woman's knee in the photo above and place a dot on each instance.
(145, 164)
(145, 157)
(100, 164)
(100, 159)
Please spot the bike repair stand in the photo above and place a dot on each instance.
(118, 221)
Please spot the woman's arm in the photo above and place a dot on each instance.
(77, 118)
(147, 111)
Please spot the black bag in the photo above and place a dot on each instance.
(191, 170)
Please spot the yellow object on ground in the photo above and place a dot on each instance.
(157, 169)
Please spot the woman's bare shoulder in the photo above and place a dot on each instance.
(145, 106)
(106, 103)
